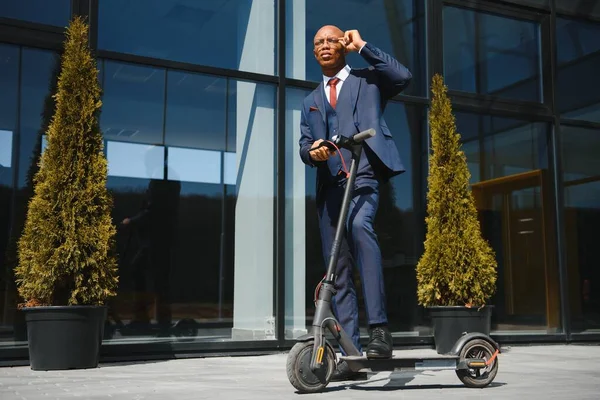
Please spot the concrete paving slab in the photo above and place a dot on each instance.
(538, 372)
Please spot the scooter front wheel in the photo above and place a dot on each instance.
(299, 372)
(478, 377)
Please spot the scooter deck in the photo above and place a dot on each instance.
(433, 363)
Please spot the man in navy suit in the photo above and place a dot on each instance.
(346, 102)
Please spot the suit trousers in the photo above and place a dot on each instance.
(360, 247)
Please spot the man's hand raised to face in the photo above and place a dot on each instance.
(353, 41)
(320, 154)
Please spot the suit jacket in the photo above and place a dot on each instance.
(370, 89)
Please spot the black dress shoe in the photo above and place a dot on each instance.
(343, 373)
(380, 344)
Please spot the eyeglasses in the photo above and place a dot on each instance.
(331, 41)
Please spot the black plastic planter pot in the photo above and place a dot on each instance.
(449, 324)
(64, 337)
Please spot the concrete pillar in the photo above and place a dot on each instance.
(253, 313)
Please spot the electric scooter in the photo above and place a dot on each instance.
(312, 360)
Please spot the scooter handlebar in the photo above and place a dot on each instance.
(364, 135)
(339, 141)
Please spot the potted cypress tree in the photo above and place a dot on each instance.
(66, 263)
(456, 275)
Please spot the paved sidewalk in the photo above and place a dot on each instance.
(539, 372)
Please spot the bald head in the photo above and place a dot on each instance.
(330, 30)
(329, 49)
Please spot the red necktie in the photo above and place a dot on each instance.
(332, 91)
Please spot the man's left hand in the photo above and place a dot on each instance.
(353, 41)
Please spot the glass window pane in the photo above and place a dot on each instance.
(585, 8)
(198, 241)
(133, 103)
(50, 12)
(133, 160)
(192, 165)
(581, 177)
(489, 54)
(196, 106)
(26, 87)
(6, 192)
(497, 147)
(39, 74)
(6, 139)
(396, 27)
(193, 31)
(229, 168)
(512, 186)
(578, 53)
(9, 83)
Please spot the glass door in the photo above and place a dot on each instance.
(515, 215)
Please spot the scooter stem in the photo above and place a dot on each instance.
(341, 223)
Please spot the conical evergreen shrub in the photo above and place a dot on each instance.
(458, 267)
(65, 254)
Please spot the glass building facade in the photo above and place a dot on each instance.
(201, 114)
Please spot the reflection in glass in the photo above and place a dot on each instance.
(187, 240)
(145, 242)
(489, 54)
(39, 74)
(133, 103)
(54, 12)
(193, 31)
(196, 106)
(496, 147)
(26, 87)
(578, 53)
(191, 165)
(135, 160)
(6, 191)
(5, 152)
(229, 168)
(396, 27)
(586, 8)
(581, 181)
(512, 186)
(9, 82)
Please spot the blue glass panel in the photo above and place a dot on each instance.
(50, 12)
(578, 53)
(489, 54)
(227, 34)
(133, 103)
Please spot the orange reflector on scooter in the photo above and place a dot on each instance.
(476, 364)
(320, 352)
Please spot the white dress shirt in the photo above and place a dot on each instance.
(342, 75)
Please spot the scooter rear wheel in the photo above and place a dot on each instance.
(299, 372)
(478, 377)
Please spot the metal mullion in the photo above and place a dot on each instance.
(434, 41)
(189, 67)
(558, 184)
(280, 223)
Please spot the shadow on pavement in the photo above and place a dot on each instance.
(398, 382)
